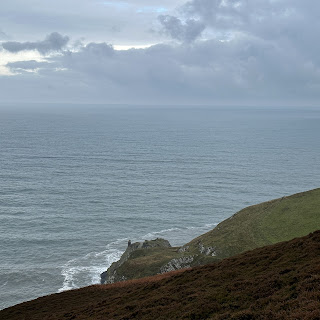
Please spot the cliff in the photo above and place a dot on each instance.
(255, 226)
(126, 267)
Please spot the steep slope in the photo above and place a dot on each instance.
(263, 224)
(256, 226)
(281, 281)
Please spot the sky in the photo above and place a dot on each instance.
(199, 52)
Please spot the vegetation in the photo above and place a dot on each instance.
(140, 265)
(263, 224)
(281, 281)
(256, 226)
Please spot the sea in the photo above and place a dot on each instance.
(78, 181)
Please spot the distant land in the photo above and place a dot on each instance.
(255, 226)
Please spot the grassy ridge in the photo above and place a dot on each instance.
(263, 224)
(281, 281)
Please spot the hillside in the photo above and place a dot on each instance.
(281, 281)
(255, 226)
(262, 224)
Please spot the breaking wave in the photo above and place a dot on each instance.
(86, 270)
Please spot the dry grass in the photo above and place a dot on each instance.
(146, 280)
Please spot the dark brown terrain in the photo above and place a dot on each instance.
(281, 281)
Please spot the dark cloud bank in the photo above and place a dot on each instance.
(248, 52)
(53, 42)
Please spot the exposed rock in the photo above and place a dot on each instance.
(206, 250)
(184, 249)
(111, 275)
(175, 264)
(107, 279)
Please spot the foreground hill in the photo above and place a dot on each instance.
(281, 281)
(256, 226)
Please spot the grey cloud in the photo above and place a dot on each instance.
(98, 49)
(53, 42)
(3, 35)
(266, 19)
(92, 59)
(187, 31)
(236, 72)
(28, 65)
(93, 19)
(288, 25)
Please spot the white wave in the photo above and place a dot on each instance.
(206, 226)
(211, 225)
(86, 270)
(179, 236)
(156, 233)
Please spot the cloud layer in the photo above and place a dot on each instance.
(223, 52)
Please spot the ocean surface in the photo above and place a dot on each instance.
(77, 182)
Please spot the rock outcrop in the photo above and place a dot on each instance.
(178, 263)
(153, 257)
(113, 274)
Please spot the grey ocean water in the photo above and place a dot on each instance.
(78, 181)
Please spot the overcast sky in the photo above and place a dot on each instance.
(216, 52)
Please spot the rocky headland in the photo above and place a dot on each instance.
(256, 226)
(134, 250)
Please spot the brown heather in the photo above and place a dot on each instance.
(281, 281)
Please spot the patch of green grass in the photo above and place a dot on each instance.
(263, 224)
(143, 263)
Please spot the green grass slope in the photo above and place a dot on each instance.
(144, 263)
(281, 282)
(263, 224)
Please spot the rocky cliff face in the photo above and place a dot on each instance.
(177, 263)
(153, 257)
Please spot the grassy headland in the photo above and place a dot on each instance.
(255, 226)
